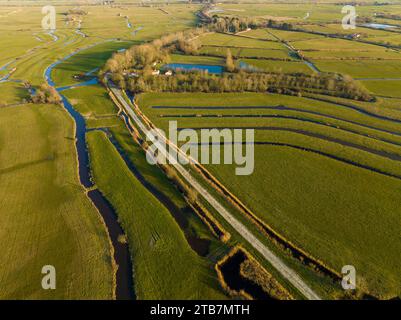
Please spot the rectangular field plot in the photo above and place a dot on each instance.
(391, 88)
(277, 66)
(385, 54)
(219, 51)
(262, 34)
(278, 12)
(328, 44)
(180, 58)
(294, 35)
(220, 39)
(247, 52)
(262, 53)
(363, 69)
(390, 38)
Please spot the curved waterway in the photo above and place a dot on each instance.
(124, 276)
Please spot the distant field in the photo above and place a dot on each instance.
(292, 36)
(278, 66)
(384, 88)
(220, 39)
(328, 44)
(339, 55)
(45, 216)
(362, 69)
(179, 58)
(258, 34)
(247, 52)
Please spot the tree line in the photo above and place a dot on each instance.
(241, 81)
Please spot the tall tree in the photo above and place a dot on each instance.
(229, 61)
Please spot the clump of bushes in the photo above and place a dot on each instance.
(46, 94)
(250, 269)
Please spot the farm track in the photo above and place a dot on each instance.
(275, 261)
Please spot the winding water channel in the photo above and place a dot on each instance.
(124, 276)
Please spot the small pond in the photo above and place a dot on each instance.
(189, 67)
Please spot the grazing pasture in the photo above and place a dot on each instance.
(282, 171)
(45, 215)
(363, 69)
(207, 60)
(278, 66)
(389, 88)
(219, 39)
(12, 93)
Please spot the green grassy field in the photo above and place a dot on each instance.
(384, 88)
(179, 58)
(277, 190)
(363, 69)
(258, 34)
(46, 218)
(238, 41)
(86, 61)
(12, 93)
(278, 66)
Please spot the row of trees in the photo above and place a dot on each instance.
(330, 84)
(232, 24)
(388, 16)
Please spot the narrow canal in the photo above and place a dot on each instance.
(124, 275)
